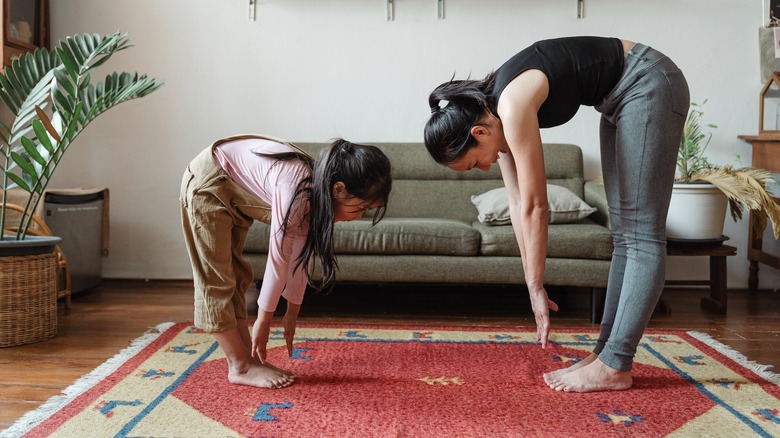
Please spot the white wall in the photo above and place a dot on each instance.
(310, 70)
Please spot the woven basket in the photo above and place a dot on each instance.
(28, 299)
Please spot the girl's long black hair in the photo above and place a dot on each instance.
(365, 172)
(448, 131)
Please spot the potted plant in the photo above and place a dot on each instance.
(49, 97)
(703, 190)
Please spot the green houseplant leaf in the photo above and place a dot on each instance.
(52, 98)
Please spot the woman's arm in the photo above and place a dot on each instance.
(524, 177)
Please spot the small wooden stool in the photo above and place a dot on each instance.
(717, 301)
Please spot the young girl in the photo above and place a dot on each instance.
(643, 98)
(244, 178)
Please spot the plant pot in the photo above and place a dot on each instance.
(697, 212)
(28, 290)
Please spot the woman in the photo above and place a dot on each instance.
(643, 98)
(241, 179)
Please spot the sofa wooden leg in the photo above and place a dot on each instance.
(597, 297)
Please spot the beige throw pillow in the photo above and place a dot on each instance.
(565, 206)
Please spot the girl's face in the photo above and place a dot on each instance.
(347, 207)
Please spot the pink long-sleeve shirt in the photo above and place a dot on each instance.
(274, 183)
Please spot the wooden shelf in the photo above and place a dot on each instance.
(25, 27)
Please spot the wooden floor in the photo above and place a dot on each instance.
(103, 321)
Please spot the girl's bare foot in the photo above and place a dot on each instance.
(593, 377)
(276, 368)
(261, 376)
(553, 376)
(247, 341)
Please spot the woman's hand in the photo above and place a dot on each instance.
(542, 306)
(260, 332)
(289, 320)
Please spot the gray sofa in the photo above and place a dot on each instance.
(431, 234)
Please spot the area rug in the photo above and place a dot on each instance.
(392, 381)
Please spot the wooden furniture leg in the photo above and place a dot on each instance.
(717, 301)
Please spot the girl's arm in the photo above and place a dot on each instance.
(283, 249)
(280, 262)
(294, 291)
(524, 177)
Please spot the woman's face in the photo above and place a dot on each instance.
(481, 157)
(490, 143)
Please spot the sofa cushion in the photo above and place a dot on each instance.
(258, 237)
(565, 206)
(583, 239)
(407, 236)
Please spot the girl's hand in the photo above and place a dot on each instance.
(289, 320)
(260, 332)
(542, 306)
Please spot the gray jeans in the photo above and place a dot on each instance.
(641, 125)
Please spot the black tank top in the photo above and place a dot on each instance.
(580, 71)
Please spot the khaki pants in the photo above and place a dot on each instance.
(216, 215)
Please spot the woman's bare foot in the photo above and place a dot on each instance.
(553, 376)
(261, 376)
(593, 377)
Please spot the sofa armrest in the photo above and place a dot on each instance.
(596, 197)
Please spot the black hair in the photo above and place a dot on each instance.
(366, 173)
(448, 131)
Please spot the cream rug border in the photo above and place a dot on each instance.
(736, 356)
(31, 419)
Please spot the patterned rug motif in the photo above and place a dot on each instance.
(390, 381)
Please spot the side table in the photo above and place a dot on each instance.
(716, 301)
(766, 155)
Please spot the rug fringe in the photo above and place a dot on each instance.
(761, 370)
(31, 419)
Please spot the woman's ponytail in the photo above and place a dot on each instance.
(448, 131)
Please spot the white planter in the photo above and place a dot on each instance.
(697, 212)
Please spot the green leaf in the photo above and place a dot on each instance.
(84, 82)
(78, 45)
(64, 81)
(91, 41)
(32, 150)
(8, 100)
(43, 136)
(70, 64)
(13, 100)
(66, 103)
(75, 49)
(19, 182)
(26, 74)
(12, 75)
(24, 164)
